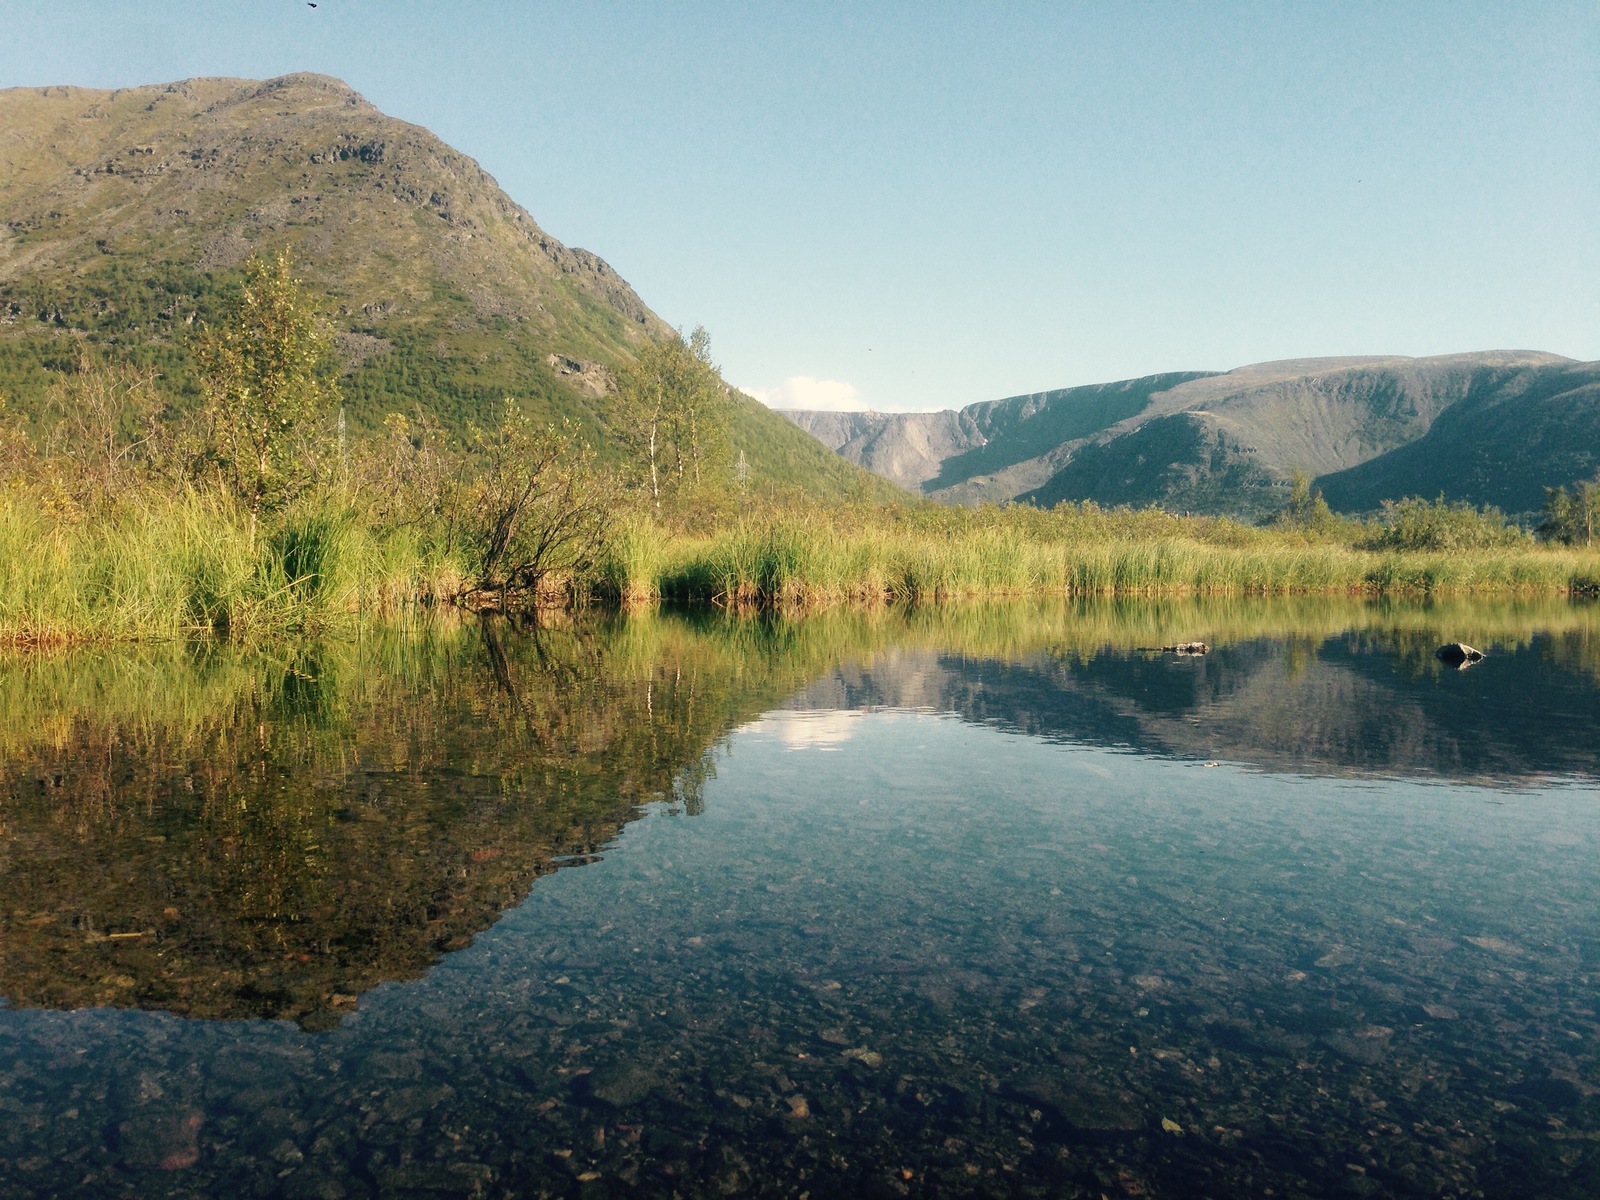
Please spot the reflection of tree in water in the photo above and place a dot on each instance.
(326, 823)
(228, 834)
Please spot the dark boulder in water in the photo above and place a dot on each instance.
(1458, 654)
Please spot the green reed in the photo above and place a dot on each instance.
(162, 565)
(171, 566)
(811, 560)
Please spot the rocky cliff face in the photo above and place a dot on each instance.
(1228, 443)
(907, 448)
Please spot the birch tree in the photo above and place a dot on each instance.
(266, 389)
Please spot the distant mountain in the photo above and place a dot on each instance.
(1500, 445)
(1492, 427)
(991, 451)
(127, 213)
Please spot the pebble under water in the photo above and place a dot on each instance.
(904, 919)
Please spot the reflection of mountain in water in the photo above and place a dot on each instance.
(221, 835)
(1370, 702)
(308, 832)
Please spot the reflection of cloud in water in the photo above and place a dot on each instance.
(826, 728)
(808, 730)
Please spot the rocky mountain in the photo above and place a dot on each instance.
(1493, 427)
(1501, 445)
(127, 214)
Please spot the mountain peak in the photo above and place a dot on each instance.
(203, 172)
(128, 212)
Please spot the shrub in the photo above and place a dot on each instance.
(1418, 524)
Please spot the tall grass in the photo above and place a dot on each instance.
(163, 565)
(170, 566)
(811, 562)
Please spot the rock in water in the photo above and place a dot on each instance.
(621, 1085)
(165, 1141)
(1090, 1109)
(1458, 654)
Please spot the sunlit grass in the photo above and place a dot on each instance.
(176, 566)
(809, 561)
(159, 565)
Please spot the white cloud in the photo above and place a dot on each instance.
(806, 391)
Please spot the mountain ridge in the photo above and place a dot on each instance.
(1229, 442)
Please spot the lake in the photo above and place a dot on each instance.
(990, 901)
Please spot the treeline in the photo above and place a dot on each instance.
(1412, 523)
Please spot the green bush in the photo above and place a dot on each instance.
(1418, 524)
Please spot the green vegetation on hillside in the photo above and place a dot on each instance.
(1492, 427)
(1021, 428)
(130, 214)
(126, 517)
(1502, 445)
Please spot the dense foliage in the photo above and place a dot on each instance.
(1417, 524)
(1572, 517)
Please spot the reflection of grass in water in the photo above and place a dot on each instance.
(293, 828)
(1013, 629)
(328, 817)
(187, 688)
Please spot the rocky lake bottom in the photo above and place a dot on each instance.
(1013, 908)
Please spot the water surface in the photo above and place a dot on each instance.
(967, 902)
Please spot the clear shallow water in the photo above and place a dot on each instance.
(927, 920)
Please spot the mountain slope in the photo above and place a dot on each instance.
(1027, 439)
(905, 448)
(1501, 446)
(128, 213)
(989, 451)
(1225, 443)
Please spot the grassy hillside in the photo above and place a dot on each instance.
(1027, 438)
(1181, 462)
(128, 214)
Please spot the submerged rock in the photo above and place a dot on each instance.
(1090, 1109)
(163, 1141)
(1458, 654)
(620, 1085)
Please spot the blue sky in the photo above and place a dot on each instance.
(908, 206)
